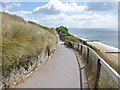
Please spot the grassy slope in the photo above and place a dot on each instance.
(42, 27)
(21, 39)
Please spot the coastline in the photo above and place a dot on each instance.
(110, 52)
(105, 45)
(108, 47)
(107, 36)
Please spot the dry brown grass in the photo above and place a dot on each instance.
(21, 39)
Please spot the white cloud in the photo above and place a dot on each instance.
(13, 5)
(6, 6)
(82, 21)
(22, 13)
(57, 7)
(55, 15)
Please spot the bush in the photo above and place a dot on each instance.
(63, 30)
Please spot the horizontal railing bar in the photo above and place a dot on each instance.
(108, 68)
(112, 52)
(111, 71)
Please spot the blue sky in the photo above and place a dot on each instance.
(72, 14)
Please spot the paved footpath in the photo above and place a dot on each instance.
(61, 71)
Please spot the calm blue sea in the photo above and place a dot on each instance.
(107, 36)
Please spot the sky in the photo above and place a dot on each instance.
(70, 13)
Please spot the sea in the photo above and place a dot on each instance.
(108, 36)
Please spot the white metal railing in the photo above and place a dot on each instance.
(108, 68)
(115, 76)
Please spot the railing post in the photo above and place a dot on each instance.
(81, 49)
(78, 47)
(97, 74)
(87, 55)
(48, 51)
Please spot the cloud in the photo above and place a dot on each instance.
(50, 8)
(47, 10)
(6, 6)
(22, 13)
(81, 21)
(71, 14)
(101, 6)
(54, 7)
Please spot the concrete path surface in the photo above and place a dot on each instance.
(61, 71)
